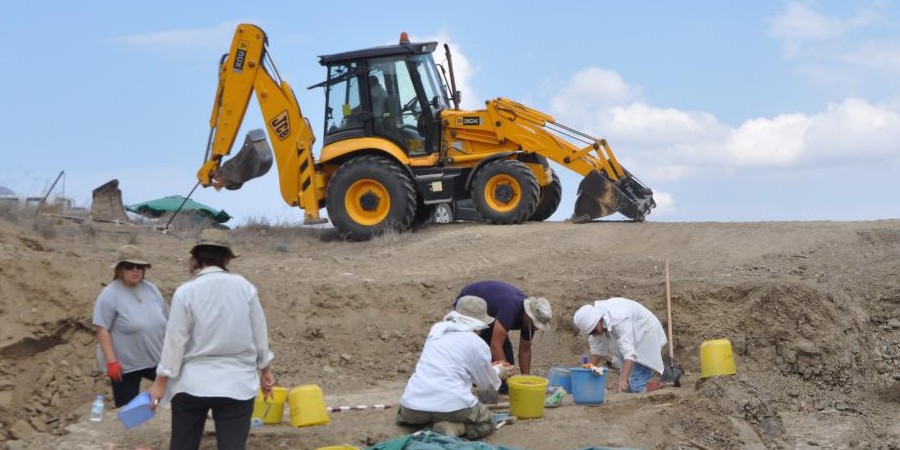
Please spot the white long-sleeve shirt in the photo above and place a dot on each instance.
(216, 339)
(450, 364)
(633, 332)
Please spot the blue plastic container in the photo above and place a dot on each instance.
(560, 376)
(587, 387)
(137, 411)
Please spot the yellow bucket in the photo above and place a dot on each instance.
(716, 358)
(526, 396)
(271, 410)
(307, 406)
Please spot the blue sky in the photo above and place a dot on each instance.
(730, 111)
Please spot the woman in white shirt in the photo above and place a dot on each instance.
(454, 358)
(216, 352)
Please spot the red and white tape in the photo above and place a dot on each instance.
(356, 408)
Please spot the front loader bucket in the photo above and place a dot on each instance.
(252, 161)
(598, 196)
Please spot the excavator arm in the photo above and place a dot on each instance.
(245, 70)
(607, 187)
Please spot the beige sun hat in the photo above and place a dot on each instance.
(538, 308)
(474, 307)
(131, 254)
(215, 238)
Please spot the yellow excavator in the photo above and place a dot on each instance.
(398, 152)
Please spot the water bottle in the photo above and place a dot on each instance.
(97, 409)
(585, 362)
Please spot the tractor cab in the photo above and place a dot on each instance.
(393, 92)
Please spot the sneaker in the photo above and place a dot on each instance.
(448, 428)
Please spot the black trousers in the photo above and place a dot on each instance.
(130, 386)
(485, 335)
(232, 418)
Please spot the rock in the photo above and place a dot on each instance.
(6, 399)
(346, 357)
(893, 323)
(21, 430)
(15, 445)
(39, 424)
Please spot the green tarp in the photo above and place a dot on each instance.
(429, 440)
(168, 205)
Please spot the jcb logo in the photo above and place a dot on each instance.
(281, 126)
(469, 121)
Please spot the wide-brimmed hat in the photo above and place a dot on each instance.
(538, 308)
(131, 254)
(586, 319)
(214, 238)
(474, 307)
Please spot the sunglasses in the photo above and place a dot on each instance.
(133, 266)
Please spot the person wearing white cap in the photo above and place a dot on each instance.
(453, 359)
(628, 335)
(513, 310)
(129, 319)
(216, 351)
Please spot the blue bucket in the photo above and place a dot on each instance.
(588, 388)
(562, 377)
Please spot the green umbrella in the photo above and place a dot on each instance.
(170, 204)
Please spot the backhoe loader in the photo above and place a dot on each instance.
(397, 151)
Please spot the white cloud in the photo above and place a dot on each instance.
(665, 205)
(670, 144)
(852, 56)
(214, 38)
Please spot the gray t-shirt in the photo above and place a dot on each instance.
(136, 320)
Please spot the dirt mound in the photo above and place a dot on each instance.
(809, 307)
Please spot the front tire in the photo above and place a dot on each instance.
(370, 195)
(505, 192)
(551, 195)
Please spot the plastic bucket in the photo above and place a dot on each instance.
(562, 377)
(307, 406)
(137, 411)
(588, 388)
(270, 411)
(716, 358)
(526, 396)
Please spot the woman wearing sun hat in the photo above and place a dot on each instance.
(130, 322)
(216, 352)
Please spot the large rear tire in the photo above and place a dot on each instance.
(551, 195)
(505, 192)
(370, 195)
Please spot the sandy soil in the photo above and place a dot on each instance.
(809, 307)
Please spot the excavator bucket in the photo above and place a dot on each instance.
(252, 161)
(598, 196)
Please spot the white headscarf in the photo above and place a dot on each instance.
(455, 321)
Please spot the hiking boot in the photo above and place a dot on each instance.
(448, 428)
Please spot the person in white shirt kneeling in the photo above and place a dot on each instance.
(453, 359)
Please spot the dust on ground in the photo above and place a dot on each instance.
(809, 307)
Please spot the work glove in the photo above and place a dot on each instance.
(114, 371)
(598, 370)
(504, 369)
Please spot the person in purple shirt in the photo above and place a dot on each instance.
(513, 310)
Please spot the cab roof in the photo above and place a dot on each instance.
(414, 48)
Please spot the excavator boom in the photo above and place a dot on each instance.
(246, 70)
(607, 187)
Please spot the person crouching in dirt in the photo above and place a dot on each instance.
(629, 336)
(129, 319)
(454, 359)
(513, 311)
(216, 351)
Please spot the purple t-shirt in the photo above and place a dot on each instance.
(505, 302)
